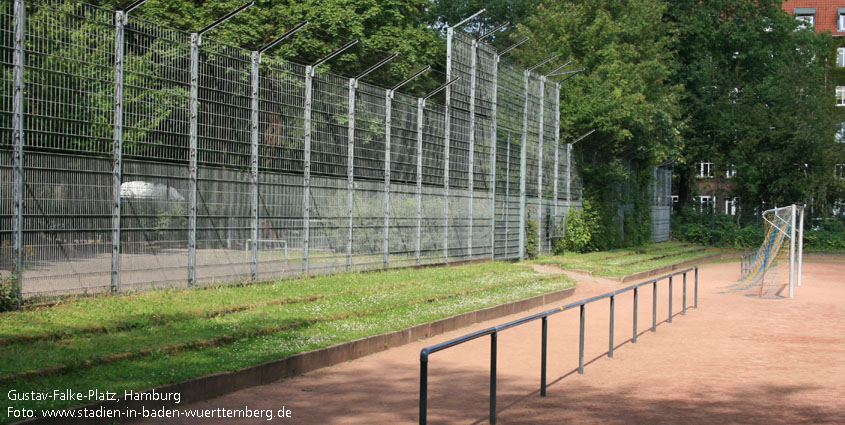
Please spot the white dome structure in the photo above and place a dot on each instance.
(152, 191)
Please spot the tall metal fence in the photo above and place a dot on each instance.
(135, 156)
(661, 204)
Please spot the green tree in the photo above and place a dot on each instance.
(381, 25)
(626, 93)
(755, 98)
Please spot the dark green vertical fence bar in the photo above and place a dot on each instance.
(493, 343)
(543, 351)
(696, 287)
(670, 300)
(636, 296)
(612, 310)
(581, 343)
(654, 307)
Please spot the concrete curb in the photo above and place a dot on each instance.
(210, 386)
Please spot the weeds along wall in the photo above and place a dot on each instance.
(134, 156)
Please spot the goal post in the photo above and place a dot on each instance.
(776, 265)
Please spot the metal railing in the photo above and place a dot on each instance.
(544, 316)
(745, 264)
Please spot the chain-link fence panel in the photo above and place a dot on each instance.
(191, 154)
(7, 42)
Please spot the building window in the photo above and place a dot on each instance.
(707, 203)
(840, 95)
(839, 207)
(840, 22)
(730, 171)
(674, 199)
(840, 54)
(840, 134)
(705, 169)
(806, 16)
(731, 205)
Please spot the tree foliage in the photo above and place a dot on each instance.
(626, 93)
(382, 26)
(755, 98)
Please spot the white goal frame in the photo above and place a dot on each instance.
(796, 227)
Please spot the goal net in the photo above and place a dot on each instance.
(770, 272)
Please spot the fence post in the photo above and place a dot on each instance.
(192, 160)
(670, 299)
(540, 242)
(423, 391)
(654, 307)
(447, 132)
(612, 311)
(543, 351)
(18, 136)
(472, 87)
(493, 165)
(256, 60)
(581, 343)
(557, 156)
(306, 190)
(696, 287)
(493, 349)
(569, 176)
(636, 305)
(388, 107)
(420, 111)
(350, 171)
(523, 159)
(684, 310)
(507, 203)
(117, 147)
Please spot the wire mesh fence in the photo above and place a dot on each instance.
(153, 157)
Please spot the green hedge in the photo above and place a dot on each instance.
(724, 231)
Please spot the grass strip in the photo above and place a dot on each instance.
(659, 257)
(161, 368)
(634, 261)
(158, 319)
(87, 363)
(109, 314)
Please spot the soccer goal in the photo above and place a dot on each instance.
(776, 265)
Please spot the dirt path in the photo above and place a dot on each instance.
(734, 360)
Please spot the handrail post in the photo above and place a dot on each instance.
(423, 391)
(543, 356)
(544, 318)
(493, 338)
(696, 286)
(654, 306)
(670, 299)
(684, 310)
(636, 296)
(612, 308)
(581, 343)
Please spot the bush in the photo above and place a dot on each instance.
(532, 250)
(578, 230)
(724, 231)
(8, 294)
